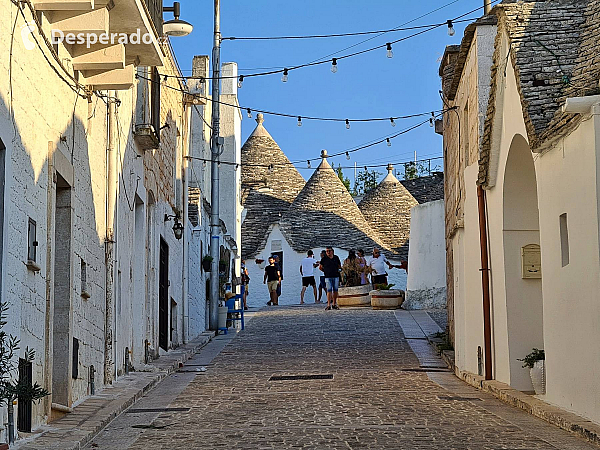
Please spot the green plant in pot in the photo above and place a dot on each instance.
(535, 361)
(206, 262)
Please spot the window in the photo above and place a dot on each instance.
(155, 102)
(25, 377)
(31, 242)
(75, 369)
(84, 286)
(564, 239)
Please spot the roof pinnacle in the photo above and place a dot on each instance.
(260, 118)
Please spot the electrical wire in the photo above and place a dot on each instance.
(319, 36)
(295, 116)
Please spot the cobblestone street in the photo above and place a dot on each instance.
(378, 396)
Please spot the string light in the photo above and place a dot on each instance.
(308, 163)
(348, 156)
(249, 113)
(390, 53)
(366, 169)
(431, 119)
(299, 121)
(450, 28)
(334, 65)
(271, 167)
(240, 81)
(392, 122)
(284, 77)
(237, 167)
(347, 124)
(389, 143)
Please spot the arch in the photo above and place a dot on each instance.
(523, 285)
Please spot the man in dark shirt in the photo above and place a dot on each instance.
(273, 276)
(330, 265)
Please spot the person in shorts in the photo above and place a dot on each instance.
(278, 265)
(307, 267)
(377, 265)
(322, 287)
(272, 279)
(331, 266)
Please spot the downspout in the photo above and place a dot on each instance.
(485, 283)
(49, 277)
(111, 201)
(185, 272)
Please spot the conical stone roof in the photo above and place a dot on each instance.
(324, 213)
(387, 210)
(266, 192)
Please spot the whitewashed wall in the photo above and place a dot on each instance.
(426, 283)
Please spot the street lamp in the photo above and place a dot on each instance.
(176, 27)
(177, 226)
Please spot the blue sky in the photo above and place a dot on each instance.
(368, 85)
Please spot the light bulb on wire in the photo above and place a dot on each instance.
(249, 113)
(240, 81)
(451, 30)
(271, 167)
(284, 77)
(390, 53)
(308, 163)
(392, 123)
(334, 65)
(431, 119)
(299, 121)
(348, 156)
(389, 143)
(347, 124)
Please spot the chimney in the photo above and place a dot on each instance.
(200, 68)
(229, 73)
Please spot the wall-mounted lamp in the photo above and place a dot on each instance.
(177, 226)
(176, 27)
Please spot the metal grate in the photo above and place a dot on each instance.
(459, 399)
(301, 377)
(151, 410)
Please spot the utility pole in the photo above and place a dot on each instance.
(487, 6)
(216, 144)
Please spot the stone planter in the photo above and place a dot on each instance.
(354, 296)
(390, 299)
(538, 377)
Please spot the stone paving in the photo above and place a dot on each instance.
(378, 396)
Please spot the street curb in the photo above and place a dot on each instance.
(169, 364)
(563, 419)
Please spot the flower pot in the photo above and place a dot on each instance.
(538, 377)
(206, 265)
(354, 296)
(390, 299)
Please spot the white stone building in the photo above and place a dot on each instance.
(93, 178)
(528, 152)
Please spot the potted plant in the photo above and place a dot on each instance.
(352, 292)
(537, 369)
(11, 389)
(384, 297)
(206, 262)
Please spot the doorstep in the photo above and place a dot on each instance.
(74, 430)
(533, 405)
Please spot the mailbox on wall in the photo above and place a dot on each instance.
(531, 261)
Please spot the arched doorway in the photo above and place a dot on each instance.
(521, 238)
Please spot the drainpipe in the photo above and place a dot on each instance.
(185, 272)
(49, 277)
(487, 6)
(485, 283)
(110, 244)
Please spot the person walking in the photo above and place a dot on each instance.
(307, 267)
(331, 266)
(362, 263)
(245, 283)
(377, 265)
(272, 279)
(278, 265)
(322, 287)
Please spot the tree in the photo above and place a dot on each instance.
(416, 169)
(365, 181)
(342, 178)
(9, 389)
